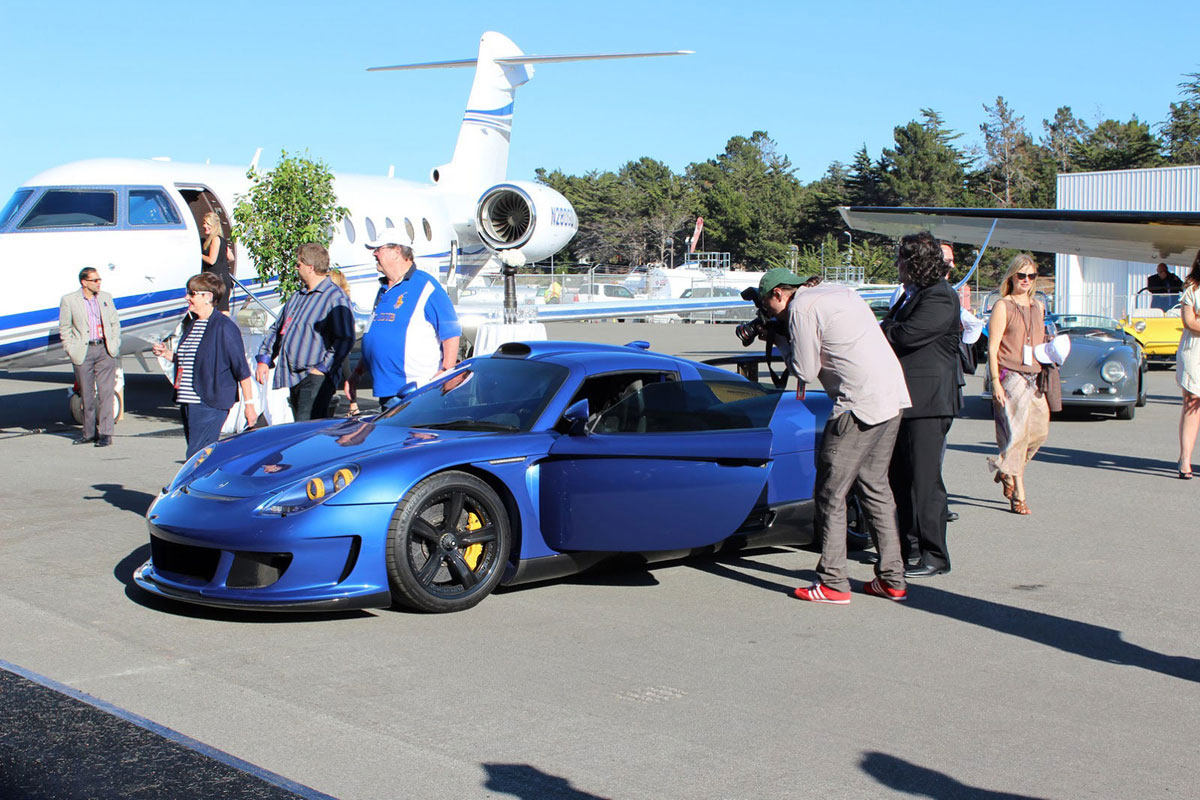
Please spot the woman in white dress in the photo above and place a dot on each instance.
(1187, 369)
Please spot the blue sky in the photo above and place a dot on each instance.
(216, 80)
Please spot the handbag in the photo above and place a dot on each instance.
(1049, 383)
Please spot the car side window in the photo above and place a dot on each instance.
(687, 406)
(604, 391)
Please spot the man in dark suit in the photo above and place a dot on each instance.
(924, 329)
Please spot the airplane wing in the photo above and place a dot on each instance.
(1147, 237)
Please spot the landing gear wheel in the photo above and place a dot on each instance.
(75, 406)
(448, 544)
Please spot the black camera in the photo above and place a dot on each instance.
(763, 326)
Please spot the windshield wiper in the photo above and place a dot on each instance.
(469, 424)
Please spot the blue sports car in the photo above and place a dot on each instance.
(535, 462)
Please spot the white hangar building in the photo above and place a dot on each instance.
(1085, 285)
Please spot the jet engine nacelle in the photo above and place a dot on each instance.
(529, 216)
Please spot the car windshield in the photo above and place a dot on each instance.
(1065, 323)
(485, 394)
(705, 405)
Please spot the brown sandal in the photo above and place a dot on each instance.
(1019, 506)
(1007, 483)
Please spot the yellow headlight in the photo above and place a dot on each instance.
(315, 489)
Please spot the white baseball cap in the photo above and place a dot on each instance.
(1054, 351)
(387, 236)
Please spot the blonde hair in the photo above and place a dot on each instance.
(338, 278)
(214, 221)
(1019, 260)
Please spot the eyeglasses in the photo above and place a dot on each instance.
(92, 280)
(1025, 276)
(191, 293)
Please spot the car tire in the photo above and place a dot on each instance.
(431, 561)
(1141, 393)
(1126, 412)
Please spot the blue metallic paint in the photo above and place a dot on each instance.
(597, 492)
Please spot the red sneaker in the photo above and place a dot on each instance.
(881, 589)
(820, 593)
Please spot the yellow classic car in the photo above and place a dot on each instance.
(1157, 326)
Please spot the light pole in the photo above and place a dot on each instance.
(850, 252)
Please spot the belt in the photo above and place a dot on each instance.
(95, 341)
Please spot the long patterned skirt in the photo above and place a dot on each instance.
(1022, 425)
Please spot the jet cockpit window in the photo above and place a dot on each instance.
(73, 208)
(151, 207)
(14, 205)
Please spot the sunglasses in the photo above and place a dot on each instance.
(191, 293)
(1025, 276)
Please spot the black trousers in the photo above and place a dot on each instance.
(916, 478)
(311, 397)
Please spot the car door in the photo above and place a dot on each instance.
(679, 474)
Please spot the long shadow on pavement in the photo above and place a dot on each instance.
(903, 776)
(1085, 458)
(1070, 636)
(530, 783)
(118, 496)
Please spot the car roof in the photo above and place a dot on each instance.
(593, 357)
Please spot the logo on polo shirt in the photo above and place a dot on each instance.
(399, 301)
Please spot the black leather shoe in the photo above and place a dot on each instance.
(83, 440)
(951, 516)
(924, 571)
(103, 441)
(873, 558)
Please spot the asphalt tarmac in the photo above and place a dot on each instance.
(1059, 659)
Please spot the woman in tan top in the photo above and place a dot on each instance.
(1022, 416)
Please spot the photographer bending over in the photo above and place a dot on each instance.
(833, 337)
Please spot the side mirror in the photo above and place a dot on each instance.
(576, 416)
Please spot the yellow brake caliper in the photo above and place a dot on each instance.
(473, 551)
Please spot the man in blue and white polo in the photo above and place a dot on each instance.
(414, 330)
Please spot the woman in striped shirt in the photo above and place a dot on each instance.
(210, 365)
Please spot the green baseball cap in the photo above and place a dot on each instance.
(780, 276)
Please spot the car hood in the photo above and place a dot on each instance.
(279, 461)
(1088, 354)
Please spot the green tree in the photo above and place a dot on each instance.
(1181, 131)
(750, 199)
(1120, 145)
(288, 206)
(924, 168)
(1009, 168)
(867, 182)
(1063, 137)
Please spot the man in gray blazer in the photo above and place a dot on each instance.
(91, 335)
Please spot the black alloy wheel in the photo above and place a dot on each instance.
(448, 543)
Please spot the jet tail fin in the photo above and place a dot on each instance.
(481, 153)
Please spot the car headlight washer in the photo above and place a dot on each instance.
(309, 492)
